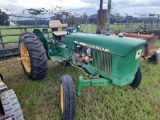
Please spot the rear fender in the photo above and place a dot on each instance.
(43, 40)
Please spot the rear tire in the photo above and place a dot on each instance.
(37, 55)
(155, 58)
(67, 98)
(10, 105)
(137, 80)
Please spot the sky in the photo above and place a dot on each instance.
(129, 7)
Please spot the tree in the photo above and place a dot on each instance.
(4, 18)
(118, 16)
(72, 20)
(35, 12)
(85, 18)
(61, 14)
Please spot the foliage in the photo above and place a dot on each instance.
(85, 18)
(118, 16)
(4, 18)
(67, 17)
(36, 11)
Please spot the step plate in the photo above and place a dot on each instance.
(57, 58)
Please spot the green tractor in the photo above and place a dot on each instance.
(109, 60)
(9, 105)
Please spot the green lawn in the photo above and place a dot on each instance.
(40, 99)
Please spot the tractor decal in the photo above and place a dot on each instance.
(91, 46)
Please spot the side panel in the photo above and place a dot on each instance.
(126, 66)
(69, 39)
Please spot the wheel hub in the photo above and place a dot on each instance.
(25, 58)
(61, 98)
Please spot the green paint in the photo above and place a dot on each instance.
(43, 40)
(116, 45)
(114, 59)
(91, 82)
(120, 57)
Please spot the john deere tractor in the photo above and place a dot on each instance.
(109, 60)
(9, 105)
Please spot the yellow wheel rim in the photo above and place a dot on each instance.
(25, 58)
(61, 98)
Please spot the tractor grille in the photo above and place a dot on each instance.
(102, 61)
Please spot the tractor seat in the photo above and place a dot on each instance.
(60, 33)
(56, 24)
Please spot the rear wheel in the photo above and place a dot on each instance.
(137, 80)
(33, 56)
(10, 105)
(155, 58)
(67, 98)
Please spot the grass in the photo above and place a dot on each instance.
(39, 100)
(12, 32)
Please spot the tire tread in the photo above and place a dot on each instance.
(11, 105)
(39, 64)
(137, 80)
(69, 96)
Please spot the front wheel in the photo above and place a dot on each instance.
(67, 98)
(137, 80)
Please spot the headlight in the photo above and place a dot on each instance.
(78, 26)
(138, 54)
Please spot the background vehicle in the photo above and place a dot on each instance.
(150, 52)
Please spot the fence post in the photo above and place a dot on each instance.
(151, 24)
(2, 44)
(158, 22)
(145, 25)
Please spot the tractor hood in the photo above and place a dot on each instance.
(113, 44)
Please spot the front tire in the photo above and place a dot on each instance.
(67, 98)
(33, 56)
(137, 80)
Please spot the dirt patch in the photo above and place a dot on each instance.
(9, 46)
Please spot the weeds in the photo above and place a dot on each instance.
(40, 99)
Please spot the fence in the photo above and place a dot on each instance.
(9, 39)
